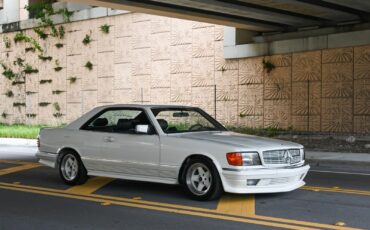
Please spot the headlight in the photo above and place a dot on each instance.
(243, 159)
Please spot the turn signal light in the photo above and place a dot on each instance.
(235, 159)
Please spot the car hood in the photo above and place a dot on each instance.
(241, 140)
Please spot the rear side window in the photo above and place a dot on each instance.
(117, 120)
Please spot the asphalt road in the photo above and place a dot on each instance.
(33, 197)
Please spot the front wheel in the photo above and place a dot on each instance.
(72, 170)
(202, 180)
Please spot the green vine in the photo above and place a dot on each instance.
(19, 104)
(18, 82)
(44, 104)
(31, 115)
(86, 40)
(72, 80)
(30, 49)
(8, 73)
(57, 92)
(268, 66)
(9, 93)
(46, 81)
(89, 65)
(29, 69)
(7, 42)
(105, 28)
(41, 33)
(19, 61)
(56, 106)
(45, 58)
(21, 37)
(59, 45)
(4, 115)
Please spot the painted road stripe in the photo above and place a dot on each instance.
(155, 208)
(16, 162)
(340, 172)
(338, 190)
(18, 168)
(181, 209)
(237, 205)
(90, 186)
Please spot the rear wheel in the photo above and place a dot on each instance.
(202, 180)
(71, 169)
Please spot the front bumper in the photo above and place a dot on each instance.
(48, 159)
(271, 180)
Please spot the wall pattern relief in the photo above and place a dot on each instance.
(159, 60)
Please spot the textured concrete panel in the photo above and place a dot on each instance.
(337, 80)
(250, 71)
(160, 77)
(281, 60)
(181, 60)
(122, 76)
(219, 32)
(203, 97)
(251, 121)
(220, 63)
(105, 89)
(277, 113)
(123, 50)
(141, 34)
(106, 41)
(160, 24)
(160, 96)
(140, 17)
(226, 89)
(306, 66)
(227, 112)
(74, 111)
(362, 62)
(362, 124)
(161, 49)
(181, 87)
(337, 115)
(123, 25)
(74, 91)
(74, 66)
(362, 97)
(278, 84)
(203, 72)
(141, 64)
(251, 99)
(74, 46)
(181, 33)
(203, 46)
(341, 55)
(122, 96)
(105, 64)
(89, 100)
(141, 89)
(89, 79)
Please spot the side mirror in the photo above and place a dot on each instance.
(142, 129)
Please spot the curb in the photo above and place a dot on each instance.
(21, 142)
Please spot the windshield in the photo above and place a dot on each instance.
(179, 120)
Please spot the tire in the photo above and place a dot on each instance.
(71, 169)
(201, 180)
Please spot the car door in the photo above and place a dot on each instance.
(124, 151)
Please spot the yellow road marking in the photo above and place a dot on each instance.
(239, 205)
(181, 209)
(17, 162)
(335, 189)
(90, 186)
(156, 208)
(19, 168)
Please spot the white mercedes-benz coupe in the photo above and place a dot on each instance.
(173, 145)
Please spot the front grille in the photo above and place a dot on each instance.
(284, 156)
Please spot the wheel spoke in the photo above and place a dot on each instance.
(200, 186)
(200, 170)
(195, 178)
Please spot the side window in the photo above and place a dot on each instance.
(118, 121)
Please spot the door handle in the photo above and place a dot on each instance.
(109, 139)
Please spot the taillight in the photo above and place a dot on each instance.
(38, 142)
(235, 159)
